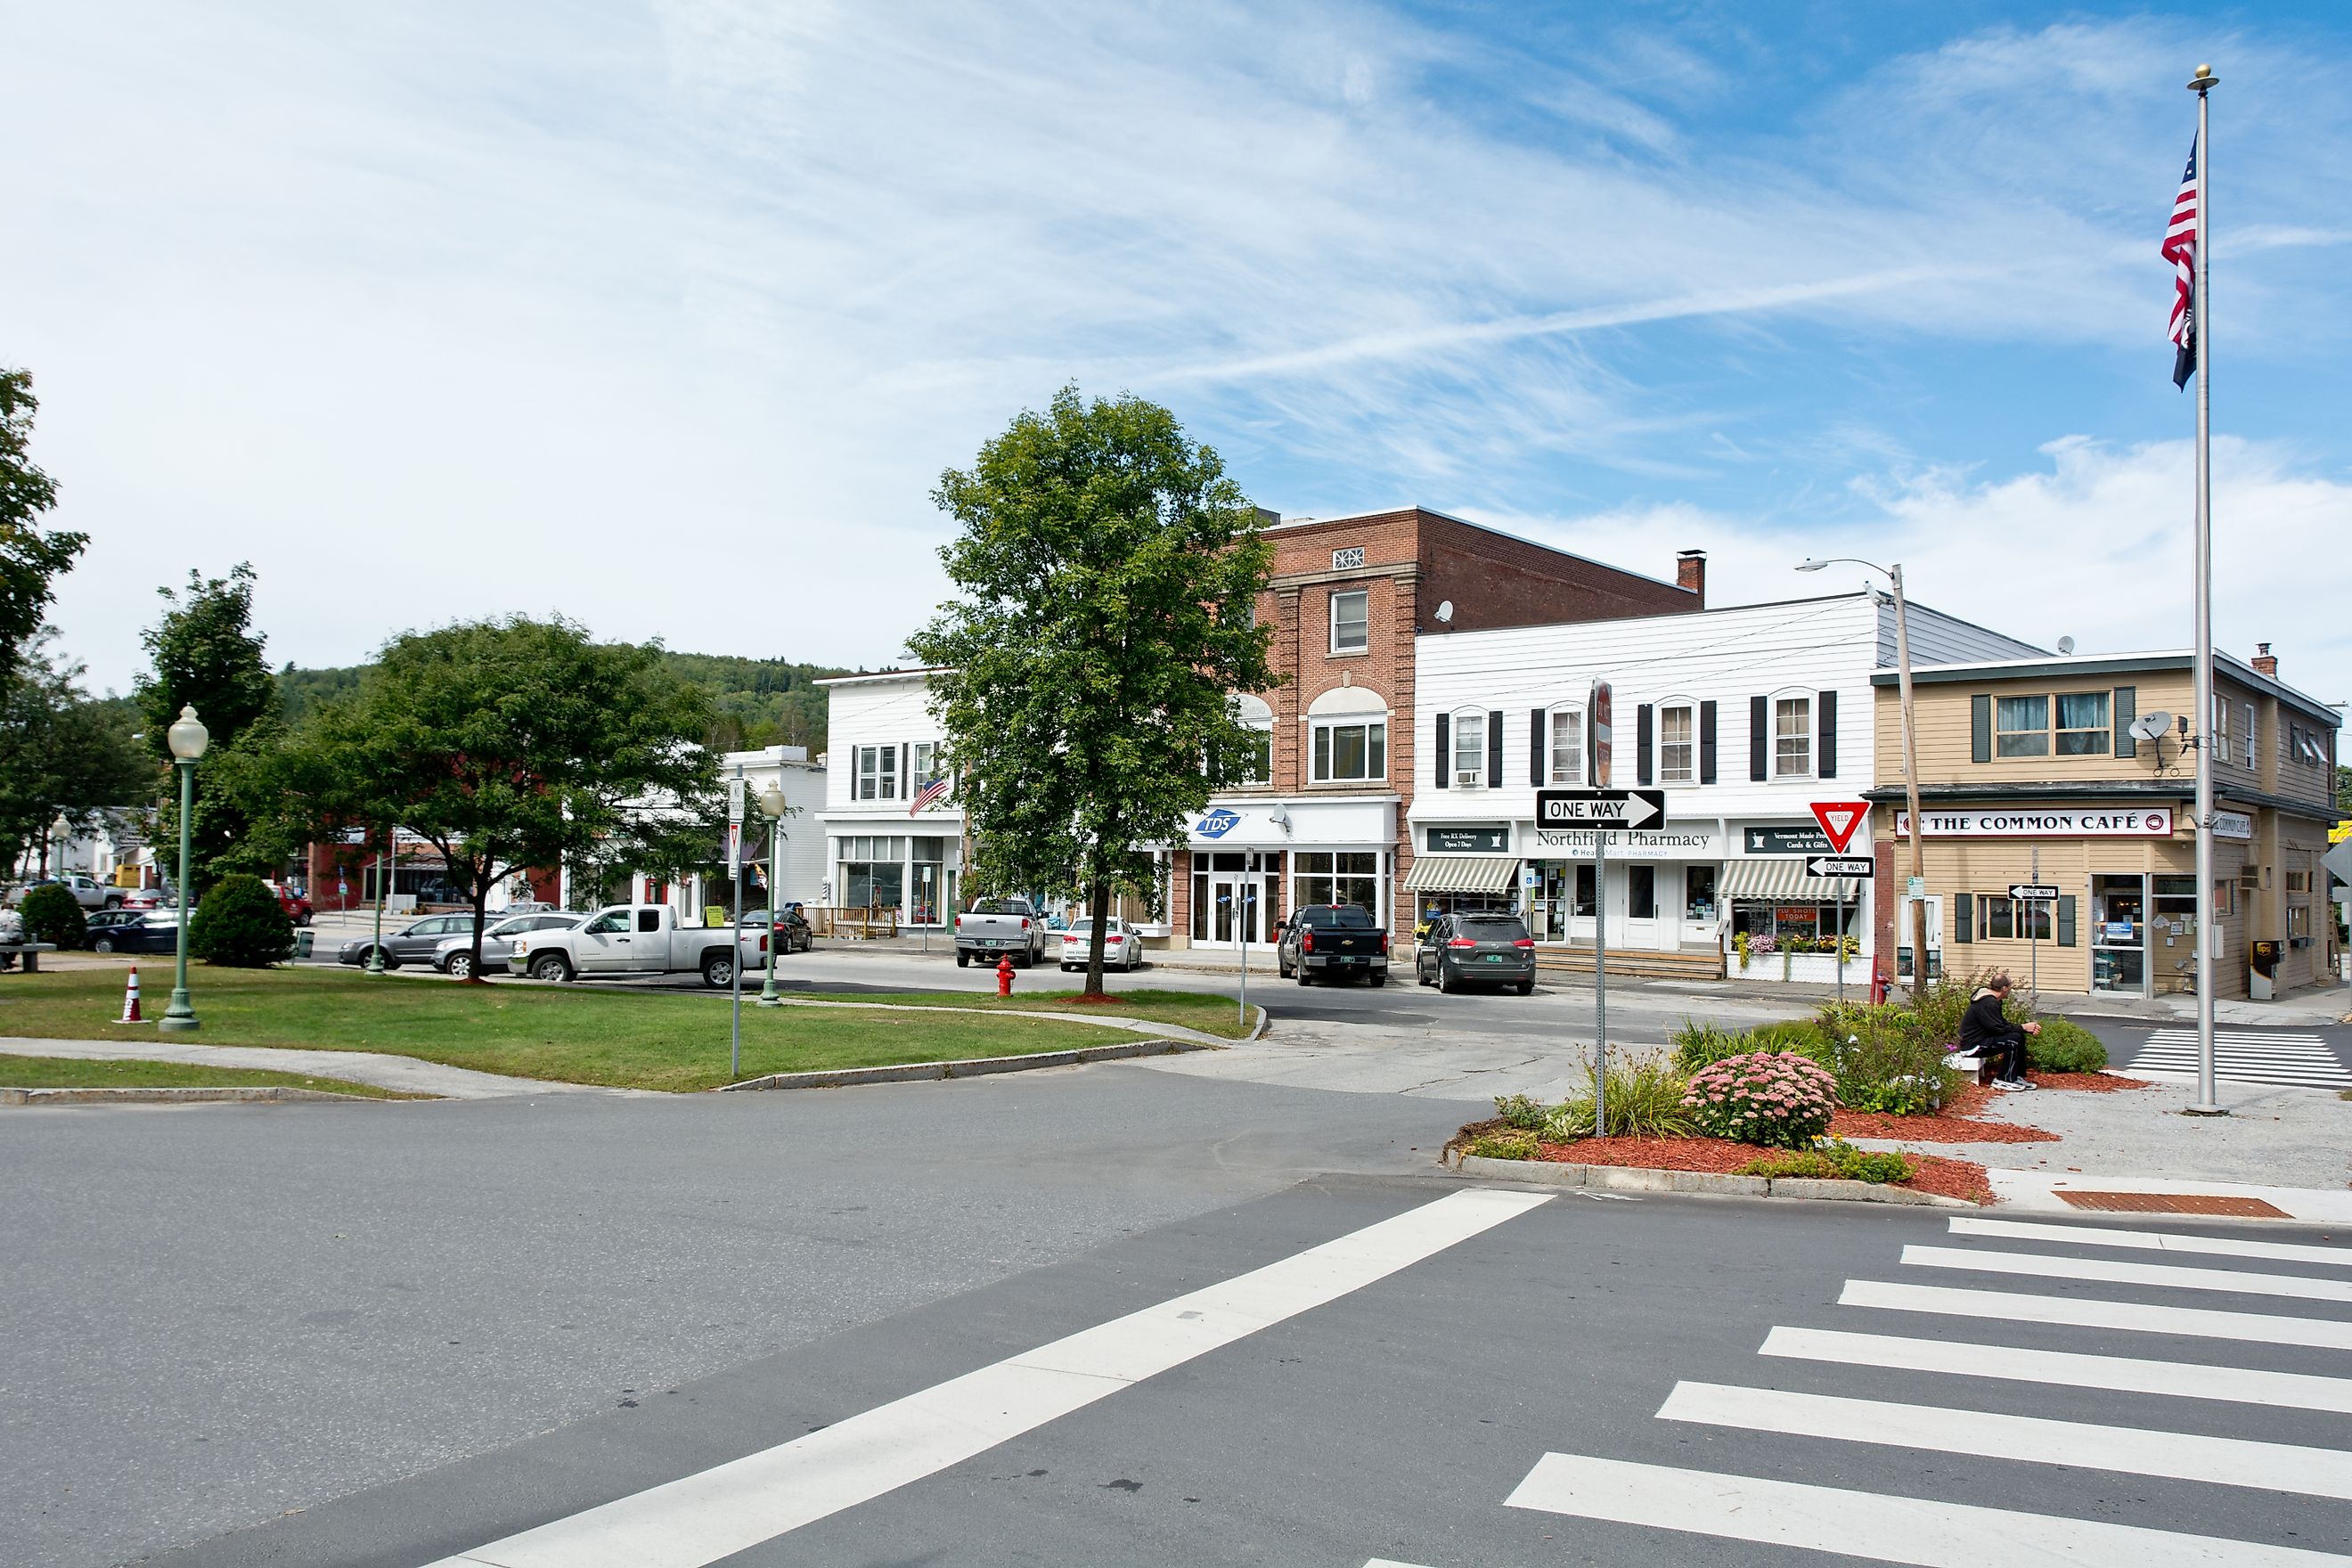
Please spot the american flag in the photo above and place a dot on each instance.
(928, 794)
(2181, 249)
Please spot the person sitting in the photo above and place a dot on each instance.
(1987, 1033)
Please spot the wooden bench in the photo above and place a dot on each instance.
(31, 951)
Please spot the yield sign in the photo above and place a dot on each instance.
(1839, 818)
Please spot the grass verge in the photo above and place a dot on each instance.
(1211, 1014)
(81, 1072)
(661, 1040)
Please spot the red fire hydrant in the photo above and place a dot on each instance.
(1004, 975)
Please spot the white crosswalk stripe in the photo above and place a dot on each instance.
(2246, 1057)
(1897, 1526)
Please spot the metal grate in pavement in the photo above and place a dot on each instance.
(2173, 1203)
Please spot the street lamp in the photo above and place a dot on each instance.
(60, 835)
(1918, 884)
(188, 739)
(771, 801)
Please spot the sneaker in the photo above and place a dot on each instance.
(2012, 1084)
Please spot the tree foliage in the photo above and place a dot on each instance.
(61, 750)
(29, 558)
(1108, 573)
(205, 654)
(241, 925)
(53, 914)
(511, 745)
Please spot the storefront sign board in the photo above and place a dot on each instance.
(1652, 844)
(1787, 841)
(1468, 840)
(2044, 822)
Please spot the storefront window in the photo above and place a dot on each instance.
(1339, 876)
(1698, 892)
(1763, 917)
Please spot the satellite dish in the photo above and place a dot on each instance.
(2149, 726)
(2066, 644)
(1445, 612)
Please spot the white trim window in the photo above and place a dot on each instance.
(1256, 766)
(1351, 621)
(1567, 747)
(1792, 737)
(875, 775)
(2246, 758)
(1677, 743)
(923, 769)
(1351, 750)
(1470, 749)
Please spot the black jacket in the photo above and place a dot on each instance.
(1984, 1027)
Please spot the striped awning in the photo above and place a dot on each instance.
(1463, 874)
(1782, 877)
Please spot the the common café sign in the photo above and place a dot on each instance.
(2044, 822)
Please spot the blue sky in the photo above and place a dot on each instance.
(666, 317)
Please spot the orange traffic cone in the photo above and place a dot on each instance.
(131, 999)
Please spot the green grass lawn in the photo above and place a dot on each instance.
(78, 1072)
(1209, 1014)
(663, 1040)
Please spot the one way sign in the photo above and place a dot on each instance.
(1600, 807)
(1840, 865)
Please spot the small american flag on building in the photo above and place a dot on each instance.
(2181, 249)
(928, 794)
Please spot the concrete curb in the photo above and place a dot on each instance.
(979, 1066)
(267, 1094)
(1637, 1179)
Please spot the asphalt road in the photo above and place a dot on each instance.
(387, 1334)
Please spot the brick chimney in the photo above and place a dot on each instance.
(2264, 663)
(1690, 575)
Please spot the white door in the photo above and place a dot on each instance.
(603, 945)
(1642, 892)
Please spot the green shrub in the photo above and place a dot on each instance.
(2064, 1046)
(239, 925)
(1644, 1100)
(1803, 1035)
(52, 914)
(1779, 1100)
(1509, 1144)
(1522, 1111)
(1699, 1045)
(1889, 1057)
(1835, 1161)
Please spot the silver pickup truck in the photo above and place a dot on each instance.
(636, 939)
(992, 928)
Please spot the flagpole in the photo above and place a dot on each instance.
(2209, 933)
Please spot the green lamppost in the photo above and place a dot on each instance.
(771, 801)
(188, 738)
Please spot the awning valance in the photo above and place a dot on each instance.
(1782, 877)
(1463, 874)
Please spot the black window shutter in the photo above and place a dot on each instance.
(1759, 736)
(2065, 920)
(1643, 715)
(1442, 776)
(1964, 908)
(1707, 742)
(1980, 728)
(2126, 709)
(1825, 738)
(1536, 747)
(1494, 748)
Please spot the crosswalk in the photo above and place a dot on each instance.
(1964, 1367)
(2246, 1056)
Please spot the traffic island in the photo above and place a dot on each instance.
(1496, 1150)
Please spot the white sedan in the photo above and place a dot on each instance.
(1122, 949)
(455, 955)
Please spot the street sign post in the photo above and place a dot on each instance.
(737, 790)
(1602, 810)
(1839, 825)
(1840, 866)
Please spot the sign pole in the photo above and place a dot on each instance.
(735, 791)
(2208, 931)
(1601, 981)
(1840, 942)
(2034, 944)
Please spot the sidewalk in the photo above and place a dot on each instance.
(407, 1074)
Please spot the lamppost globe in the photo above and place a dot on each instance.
(771, 801)
(187, 736)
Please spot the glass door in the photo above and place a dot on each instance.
(2119, 934)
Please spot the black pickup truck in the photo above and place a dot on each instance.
(1333, 941)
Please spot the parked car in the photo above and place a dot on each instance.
(88, 891)
(1477, 950)
(416, 943)
(1332, 942)
(636, 938)
(149, 898)
(992, 928)
(455, 954)
(132, 931)
(1122, 949)
(531, 906)
(296, 907)
(797, 935)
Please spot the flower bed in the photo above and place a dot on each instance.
(1944, 1177)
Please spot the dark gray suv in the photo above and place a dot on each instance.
(413, 944)
(1477, 950)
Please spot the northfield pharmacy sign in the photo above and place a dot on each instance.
(2036, 822)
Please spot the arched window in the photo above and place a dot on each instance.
(1255, 765)
(1678, 741)
(1566, 761)
(1468, 743)
(1793, 734)
(1347, 741)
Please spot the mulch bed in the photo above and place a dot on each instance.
(2089, 1082)
(1945, 1178)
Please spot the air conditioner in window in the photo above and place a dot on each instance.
(1465, 779)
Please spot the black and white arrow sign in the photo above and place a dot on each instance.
(1840, 865)
(2032, 892)
(1600, 807)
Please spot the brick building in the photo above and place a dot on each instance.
(1348, 595)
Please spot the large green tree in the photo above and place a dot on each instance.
(29, 558)
(510, 744)
(61, 750)
(204, 653)
(1108, 574)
